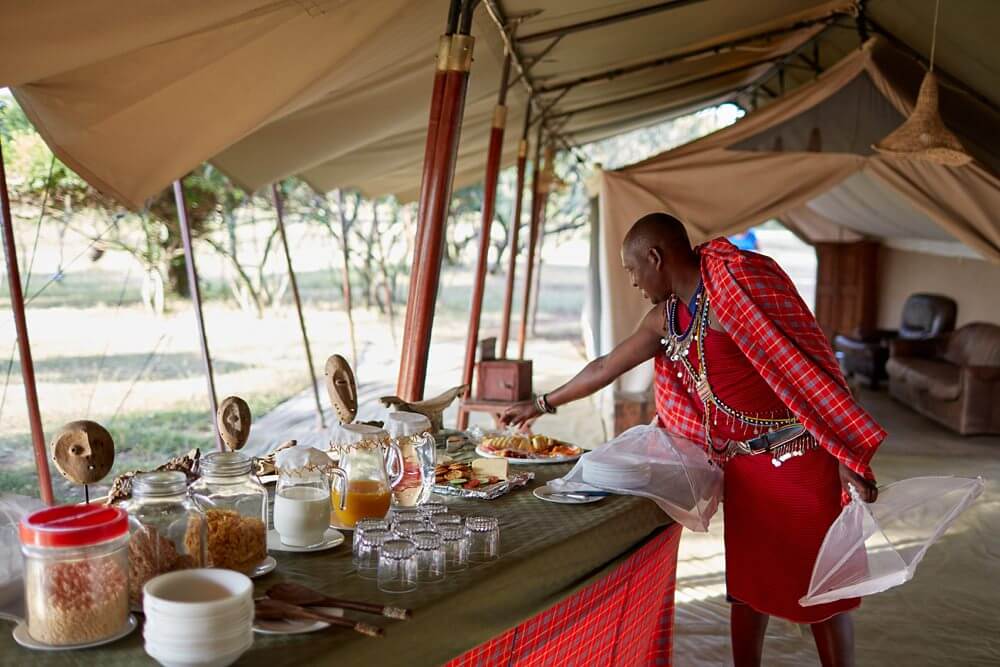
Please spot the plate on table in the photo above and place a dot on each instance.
(296, 626)
(331, 538)
(22, 637)
(528, 459)
(266, 566)
(549, 494)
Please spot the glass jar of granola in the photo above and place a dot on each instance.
(75, 573)
(168, 530)
(235, 505)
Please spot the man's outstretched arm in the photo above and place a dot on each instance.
(642, 345)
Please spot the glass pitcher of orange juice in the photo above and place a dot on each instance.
(373, 465)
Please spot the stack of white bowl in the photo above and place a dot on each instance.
(198, 618)
(624, 472)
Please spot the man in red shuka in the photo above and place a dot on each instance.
(743, 367)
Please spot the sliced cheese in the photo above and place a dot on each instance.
(490, 467)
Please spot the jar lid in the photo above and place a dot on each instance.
(69, 526)
(226, 464)
(402, 424)
(160, 483)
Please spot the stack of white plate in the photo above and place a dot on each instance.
(625, 472)
(198, 618)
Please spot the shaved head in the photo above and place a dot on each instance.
(658, 257)
(657, 230)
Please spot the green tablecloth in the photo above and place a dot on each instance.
(549, 551)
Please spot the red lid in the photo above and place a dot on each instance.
(70, 526)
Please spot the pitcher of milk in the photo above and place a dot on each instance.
(302, 497)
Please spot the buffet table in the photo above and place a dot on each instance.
(576, 584)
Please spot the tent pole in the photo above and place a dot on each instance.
(607, 20)
(515, 224)
(279, 210)
(529, 266)
(493, 156)
(23, 344)
(192, 273)
(435, 189)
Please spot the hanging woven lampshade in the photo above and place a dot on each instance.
(923, 136)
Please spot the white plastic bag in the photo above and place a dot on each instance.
(12, 510)
(872, 547)
(682, 480)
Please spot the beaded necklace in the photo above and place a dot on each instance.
(677, 346)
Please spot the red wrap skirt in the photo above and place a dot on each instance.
(775, 517)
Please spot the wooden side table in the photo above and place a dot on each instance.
(493, 408)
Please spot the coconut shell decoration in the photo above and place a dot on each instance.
(83, 452)
(233, 421)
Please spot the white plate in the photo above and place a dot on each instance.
(545, 493)
(22, 637)
(296, 627)
(267, 565)
(331, 538)
(486, 454)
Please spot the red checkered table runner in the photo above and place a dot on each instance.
(626, 618)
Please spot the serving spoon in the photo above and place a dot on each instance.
(303, 596)
(275, 610)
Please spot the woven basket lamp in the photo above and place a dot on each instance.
(923, 136)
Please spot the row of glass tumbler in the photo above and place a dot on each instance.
(420, 545)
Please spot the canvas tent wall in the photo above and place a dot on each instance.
(807, 159)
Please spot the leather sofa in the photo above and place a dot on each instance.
(954, 379)
(865, 354)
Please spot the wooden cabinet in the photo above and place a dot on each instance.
(504, 380)
(847, 287)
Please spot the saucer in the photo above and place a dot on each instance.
(267, 565)
(549, 494)
(331, 538)
(22, 637)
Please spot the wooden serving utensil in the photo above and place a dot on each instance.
(304, 596)
(275, 610)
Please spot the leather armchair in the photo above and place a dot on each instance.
(925, 316)
(954, 380)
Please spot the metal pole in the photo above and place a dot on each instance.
(515, 224)
(23, 344)
(195, 290)
(279, 210)
(493, 156)
(436, 191)
(532, 242)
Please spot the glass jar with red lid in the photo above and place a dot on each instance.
(75, 573)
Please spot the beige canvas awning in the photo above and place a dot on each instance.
(133, 94)
(807, 159)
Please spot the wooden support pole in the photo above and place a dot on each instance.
(435, 190)
(23, 344)
(195, 289)
(493, 156)
(536, 191)
(279, 210)
(515, 226)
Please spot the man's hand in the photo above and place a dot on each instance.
(521, 414)
(866, 489)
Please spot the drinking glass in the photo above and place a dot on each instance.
(433, 508)
(430, 556)
(439, 520)
(405, 529)
(359, 530)
(369, 551)
(400, 514)
(456, 546)
(397, 567)
(484, 538)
